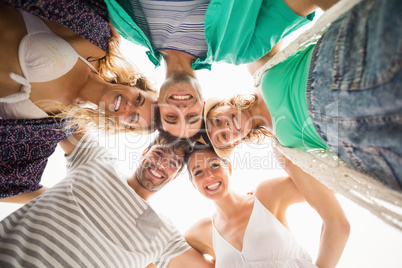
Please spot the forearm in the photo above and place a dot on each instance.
(24, 198)
(333, 240)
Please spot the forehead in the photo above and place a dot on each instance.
(201, 157)
(171, 150)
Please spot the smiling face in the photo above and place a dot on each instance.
(227, 125)
(130, 105)
(180, 106)
(159, 165)
(209, 174)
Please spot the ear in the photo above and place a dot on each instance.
(230, 168)
(145, 151)
(237, 142)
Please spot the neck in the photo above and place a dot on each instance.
(261, 112)
(229, 206)
(143, 193)
(178, 62)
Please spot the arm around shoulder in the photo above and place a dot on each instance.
(277, 194)
(336, 227)
(68, 145)
(254, 66)
(191, 258)
(199, 237)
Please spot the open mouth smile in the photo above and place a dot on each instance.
(181, 97)
(236, 123)
(155, 173)
(117, 103)
(213, 186)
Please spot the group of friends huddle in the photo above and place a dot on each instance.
(62, 73)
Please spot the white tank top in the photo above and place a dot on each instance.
(43, 57)
(266, 244)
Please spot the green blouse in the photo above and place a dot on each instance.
(284, 91)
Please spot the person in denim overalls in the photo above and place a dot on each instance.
(342, 94)
(354, 92)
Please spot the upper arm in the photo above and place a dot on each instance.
(191, 258)
(199, 237)
(277, 194)
(321, 198)
(25, 197)
(254, 66)
(68, 145)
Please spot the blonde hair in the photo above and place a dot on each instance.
(243, 102)
(115, 69)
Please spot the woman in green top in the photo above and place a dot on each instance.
(334, 95)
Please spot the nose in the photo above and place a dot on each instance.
(129, 108)
(208, 174)
(181, 105)
(163, 163)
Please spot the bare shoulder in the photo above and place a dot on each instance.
(199, 236)
(203, 226)
(277, 194)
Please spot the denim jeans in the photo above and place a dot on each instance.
(354, 90)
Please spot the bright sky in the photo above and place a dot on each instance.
(372, 243)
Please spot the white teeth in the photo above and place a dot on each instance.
(156, 174)
(213, 186)
(236, 124)
(181, 97)
(117, 103)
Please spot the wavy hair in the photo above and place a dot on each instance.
(115, 69)
(244, 102)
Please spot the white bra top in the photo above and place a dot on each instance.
(43, 57)
(266, 244)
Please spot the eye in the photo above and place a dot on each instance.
(217, 120)
(171, 117)
(215, 165)
(173, 163)
(198, 172)
(138, 99)
(224, 136)
(158, 152)
(134, 117)
(192, 118)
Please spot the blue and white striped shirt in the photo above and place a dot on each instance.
(174, 25)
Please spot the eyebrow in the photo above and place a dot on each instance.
(170, 122)
(213, 159)
(195, 121)
(195, 168)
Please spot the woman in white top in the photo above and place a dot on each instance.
(45, 71)
(251, 230)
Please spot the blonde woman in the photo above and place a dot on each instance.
(46, 69)
(49, 70)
